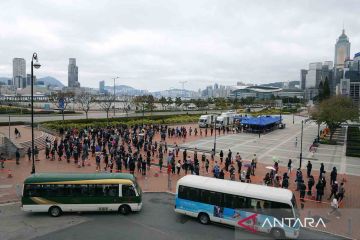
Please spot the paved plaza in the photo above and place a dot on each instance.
(169, 225)
(281, 144)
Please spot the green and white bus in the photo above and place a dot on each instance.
(76, 192)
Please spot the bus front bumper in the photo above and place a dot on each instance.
(136, 207)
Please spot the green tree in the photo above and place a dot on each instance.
(150, 102)
(220, 103)
(320, 96)
(326, 89)
(200, 103)
(163, 102)
(139, 102)
(334, 111)
(169, 101)
(178, 101)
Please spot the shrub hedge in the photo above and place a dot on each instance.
(130, 121)
(353, 142)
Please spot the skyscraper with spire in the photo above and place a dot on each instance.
(342, 50)
(73, 70)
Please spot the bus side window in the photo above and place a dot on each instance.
(281, 210)
(233, 201)
(216, 198)
(128, 191)
(99, 191)
(113, 190)
(229, 201)
(31, 190)
(182, 192)
(205, 196)
(92, 190)
(193, 194)
(76, 190)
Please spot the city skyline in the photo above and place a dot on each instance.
(168, 42)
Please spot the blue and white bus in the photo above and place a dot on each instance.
(257, 208)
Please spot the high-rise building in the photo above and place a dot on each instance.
(102, 86)
(342, 50)
(73, 79)
(19, 72)
(350, 82)
(313, 76)
(303, 73)
(318, 72)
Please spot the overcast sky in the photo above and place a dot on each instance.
(154, 44)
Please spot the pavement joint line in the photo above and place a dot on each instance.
(334, 234)
(281, 143)
(9, 203)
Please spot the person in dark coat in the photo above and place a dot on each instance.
(302, 188)
(322, 170)
(333, 176)
(143, 167)
(308, 167)
(118, 163)
(311, 182)
(29, 153)
(17, 156)
(221, 155)
(319, 190)
(334, 189)
(221, 174)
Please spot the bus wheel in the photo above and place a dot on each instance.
(124, 209)
(277, 233)
(55, 211)
(204, 218)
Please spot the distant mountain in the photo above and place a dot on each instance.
(50, 81)
(125, 89)
(173, 93)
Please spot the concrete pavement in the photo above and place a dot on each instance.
(93, 226)
(282, 145)
(10, 188)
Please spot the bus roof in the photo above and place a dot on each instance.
(59, 177)
(237, 188)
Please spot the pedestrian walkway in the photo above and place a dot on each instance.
(25, 132)
(273, 144)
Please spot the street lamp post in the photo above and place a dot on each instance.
(9, 126)
(293, 118)
(215, 135)
(301, 142)
(143, 113)
(36, 65)
(114, 93)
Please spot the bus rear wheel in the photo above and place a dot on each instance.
(124, 209)
(55, 211)
(204, 218)
(277, 233)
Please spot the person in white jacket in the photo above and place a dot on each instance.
(335, 208)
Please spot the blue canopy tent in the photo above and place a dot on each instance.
(261, 123)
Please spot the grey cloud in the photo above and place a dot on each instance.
(156, 44)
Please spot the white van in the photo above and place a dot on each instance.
(206, 120)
